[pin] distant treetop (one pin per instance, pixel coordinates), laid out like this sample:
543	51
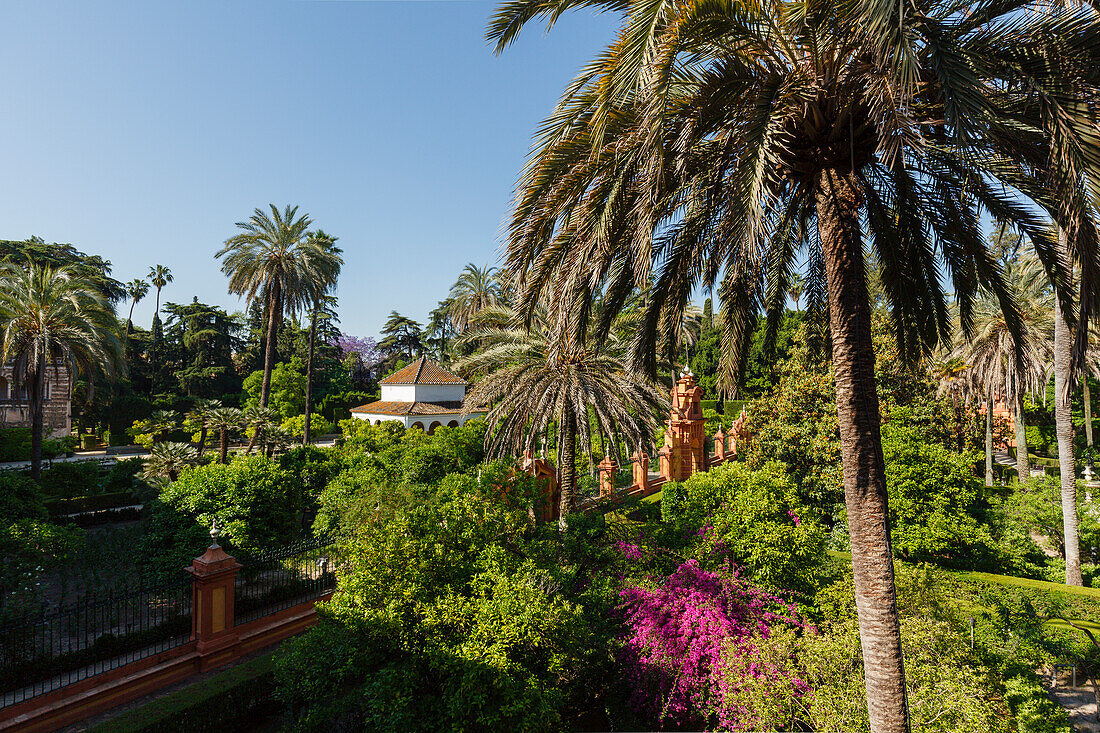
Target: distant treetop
92	267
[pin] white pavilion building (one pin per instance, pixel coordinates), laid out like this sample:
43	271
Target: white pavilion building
423	395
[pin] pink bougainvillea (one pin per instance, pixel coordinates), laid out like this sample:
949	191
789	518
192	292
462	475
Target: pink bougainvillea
680	637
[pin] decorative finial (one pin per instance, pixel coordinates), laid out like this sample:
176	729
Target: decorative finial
479	477
542	447
215	533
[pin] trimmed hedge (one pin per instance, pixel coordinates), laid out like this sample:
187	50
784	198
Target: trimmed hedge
82	504
238	699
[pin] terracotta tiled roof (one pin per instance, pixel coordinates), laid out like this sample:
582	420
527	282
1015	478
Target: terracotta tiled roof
411	408
423	371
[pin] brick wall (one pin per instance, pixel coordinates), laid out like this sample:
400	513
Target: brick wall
57	411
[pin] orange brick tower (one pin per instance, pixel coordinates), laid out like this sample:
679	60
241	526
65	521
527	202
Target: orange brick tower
684	451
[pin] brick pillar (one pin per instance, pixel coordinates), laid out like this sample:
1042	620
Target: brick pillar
212	621
641	470
607	467
664	462
546	476
719	446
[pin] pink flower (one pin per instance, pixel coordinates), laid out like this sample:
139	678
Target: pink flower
794	516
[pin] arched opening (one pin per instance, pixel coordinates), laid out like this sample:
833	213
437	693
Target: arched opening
377	422
433	426
4	389
453	424
419	425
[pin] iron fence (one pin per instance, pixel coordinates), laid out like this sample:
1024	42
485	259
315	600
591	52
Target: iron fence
42	652
278	580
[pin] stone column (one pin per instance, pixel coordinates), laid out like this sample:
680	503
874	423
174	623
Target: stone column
212	621
607	467
719	446
641	470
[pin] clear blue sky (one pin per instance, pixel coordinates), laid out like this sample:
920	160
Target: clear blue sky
142	131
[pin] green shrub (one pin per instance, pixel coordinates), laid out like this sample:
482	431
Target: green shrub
256	504
672	500
15	444
757	519
318	425
72	478
254	500
20	497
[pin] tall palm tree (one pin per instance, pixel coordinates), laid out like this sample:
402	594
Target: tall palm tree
225	421
52	319
325	282
532	378
274	259
159	276
137	290
476	289
1012	364
713	142
795	288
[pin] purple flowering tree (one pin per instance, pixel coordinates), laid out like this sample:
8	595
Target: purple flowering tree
692	637
365	348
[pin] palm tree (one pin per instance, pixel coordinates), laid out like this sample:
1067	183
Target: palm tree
440	329
999	362
50	320
166	460
163	422
199	417
325	282
795	286
224	420
533	378
159	276
259	419
713	142
476	289
275	260
136	289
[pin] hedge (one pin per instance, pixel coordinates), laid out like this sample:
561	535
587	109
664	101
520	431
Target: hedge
238	699
82	504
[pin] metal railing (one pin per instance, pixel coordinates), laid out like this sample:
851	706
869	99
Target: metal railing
278	580
42	652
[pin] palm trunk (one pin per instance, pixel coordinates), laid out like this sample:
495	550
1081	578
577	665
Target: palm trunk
1063	423
1023	470
34	399
989	439
274	310
865	497
309	372
156	365
252	440
202	440
1088	411
130	319
567	471
224	446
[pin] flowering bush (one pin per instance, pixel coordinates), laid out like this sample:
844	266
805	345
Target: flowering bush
685	637
755	519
